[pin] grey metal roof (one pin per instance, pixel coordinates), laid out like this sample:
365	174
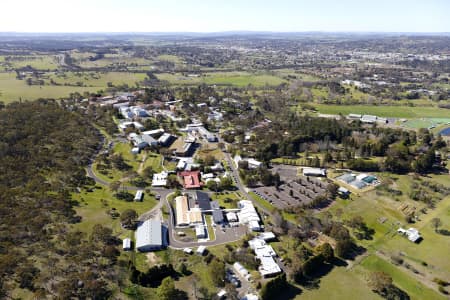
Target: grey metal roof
202	199
217	216
215	205
149	233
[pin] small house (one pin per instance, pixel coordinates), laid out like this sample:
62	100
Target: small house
139	195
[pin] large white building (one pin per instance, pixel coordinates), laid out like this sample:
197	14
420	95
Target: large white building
149	236
248	215
160	179
265	254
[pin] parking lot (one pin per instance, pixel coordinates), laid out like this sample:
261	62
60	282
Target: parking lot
299	192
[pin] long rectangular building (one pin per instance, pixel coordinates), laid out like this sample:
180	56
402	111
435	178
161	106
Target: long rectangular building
182	207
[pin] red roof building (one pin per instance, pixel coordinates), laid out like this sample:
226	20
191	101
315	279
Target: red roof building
191	179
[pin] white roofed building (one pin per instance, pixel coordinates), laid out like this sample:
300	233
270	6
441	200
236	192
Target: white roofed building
149	236
160	179
248	215
126	244
314	172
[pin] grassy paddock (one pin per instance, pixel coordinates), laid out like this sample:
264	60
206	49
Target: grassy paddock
414	288
385	111
340	283
95	211
223	78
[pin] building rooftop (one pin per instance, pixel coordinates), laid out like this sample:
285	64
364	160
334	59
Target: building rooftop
217	215
195	216
149	233
191	179
202	200
181	206
160	179
268	266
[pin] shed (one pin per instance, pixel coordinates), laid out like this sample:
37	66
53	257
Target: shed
139	195
126	244
201	250
149	236
187	250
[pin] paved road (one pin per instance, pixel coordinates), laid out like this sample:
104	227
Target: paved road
240	185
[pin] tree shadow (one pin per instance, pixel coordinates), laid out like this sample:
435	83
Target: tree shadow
444	232
290	292
339	262
356	251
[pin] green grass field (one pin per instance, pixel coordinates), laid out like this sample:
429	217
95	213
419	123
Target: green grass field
40	62
434	246
385	111
340	284
226	195
98	79
263	203
94	211
413	287
373	207
223	78
12	89
171	58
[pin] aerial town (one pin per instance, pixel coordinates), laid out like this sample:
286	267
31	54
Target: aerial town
194	163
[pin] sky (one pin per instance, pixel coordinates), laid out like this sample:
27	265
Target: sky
224	15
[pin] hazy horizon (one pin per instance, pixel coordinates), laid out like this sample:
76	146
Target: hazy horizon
202	16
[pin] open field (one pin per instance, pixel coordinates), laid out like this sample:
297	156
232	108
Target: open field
385	111
94	206
12	89
340	283
97	79
434	246
226	199
426	122
171	58
37	61
382	213
412	287
240	79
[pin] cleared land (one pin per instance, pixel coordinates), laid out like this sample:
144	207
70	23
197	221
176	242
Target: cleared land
94	209
12	89
240	79
385	111
412	287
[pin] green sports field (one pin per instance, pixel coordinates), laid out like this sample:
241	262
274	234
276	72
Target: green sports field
385	111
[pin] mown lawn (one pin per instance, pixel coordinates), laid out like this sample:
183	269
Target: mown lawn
263	203
221	198
384	111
